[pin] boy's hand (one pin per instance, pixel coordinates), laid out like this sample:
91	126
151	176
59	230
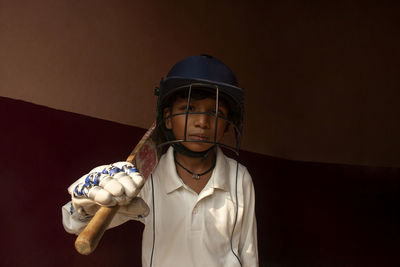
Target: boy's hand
107	185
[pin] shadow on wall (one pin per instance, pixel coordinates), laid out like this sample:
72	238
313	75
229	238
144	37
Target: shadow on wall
309	214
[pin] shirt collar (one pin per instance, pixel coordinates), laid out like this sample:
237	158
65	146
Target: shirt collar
219	178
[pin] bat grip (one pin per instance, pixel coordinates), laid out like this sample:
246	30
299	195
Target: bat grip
89	238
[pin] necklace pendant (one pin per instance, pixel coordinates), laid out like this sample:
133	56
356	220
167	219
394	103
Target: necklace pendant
195	176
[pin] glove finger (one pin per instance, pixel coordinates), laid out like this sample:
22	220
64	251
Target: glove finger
130	188
137	179
111	185
101	196
131	170
130	178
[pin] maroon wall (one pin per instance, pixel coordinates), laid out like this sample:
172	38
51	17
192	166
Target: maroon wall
309	214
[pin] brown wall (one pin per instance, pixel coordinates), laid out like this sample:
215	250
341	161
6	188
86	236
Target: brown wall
321	79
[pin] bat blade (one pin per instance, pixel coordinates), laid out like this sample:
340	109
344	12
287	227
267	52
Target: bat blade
145	157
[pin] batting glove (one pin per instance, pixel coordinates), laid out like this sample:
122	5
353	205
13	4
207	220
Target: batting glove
107	185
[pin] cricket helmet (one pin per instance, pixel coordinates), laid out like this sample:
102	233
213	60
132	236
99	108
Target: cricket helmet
210	74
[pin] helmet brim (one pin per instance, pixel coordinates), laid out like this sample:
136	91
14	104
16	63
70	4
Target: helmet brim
175	83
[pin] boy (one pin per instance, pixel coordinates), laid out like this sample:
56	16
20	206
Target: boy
198	204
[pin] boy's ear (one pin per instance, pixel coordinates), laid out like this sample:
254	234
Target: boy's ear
167	114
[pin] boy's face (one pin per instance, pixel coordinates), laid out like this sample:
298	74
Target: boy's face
200	127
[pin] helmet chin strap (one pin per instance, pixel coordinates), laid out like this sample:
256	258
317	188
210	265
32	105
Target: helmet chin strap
180	148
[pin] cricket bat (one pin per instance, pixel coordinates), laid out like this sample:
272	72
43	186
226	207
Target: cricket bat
145	157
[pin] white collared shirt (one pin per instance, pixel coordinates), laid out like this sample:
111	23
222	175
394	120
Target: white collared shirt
196	229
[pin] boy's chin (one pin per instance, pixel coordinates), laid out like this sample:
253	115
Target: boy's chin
197	147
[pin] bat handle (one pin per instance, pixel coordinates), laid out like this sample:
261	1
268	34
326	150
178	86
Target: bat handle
89	238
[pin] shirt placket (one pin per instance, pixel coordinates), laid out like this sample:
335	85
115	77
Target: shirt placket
197	210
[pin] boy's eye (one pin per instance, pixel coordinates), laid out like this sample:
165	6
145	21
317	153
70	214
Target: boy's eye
220	113
190	108
183	108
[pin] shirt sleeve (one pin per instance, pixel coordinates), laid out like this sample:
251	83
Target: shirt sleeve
248	250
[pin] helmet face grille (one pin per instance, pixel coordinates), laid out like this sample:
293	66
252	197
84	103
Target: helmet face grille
197	92
197	74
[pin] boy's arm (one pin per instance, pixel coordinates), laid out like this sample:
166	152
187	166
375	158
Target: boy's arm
248	249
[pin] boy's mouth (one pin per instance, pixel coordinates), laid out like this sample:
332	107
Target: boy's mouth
198	137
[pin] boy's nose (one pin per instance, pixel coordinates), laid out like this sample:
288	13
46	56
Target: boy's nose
202	121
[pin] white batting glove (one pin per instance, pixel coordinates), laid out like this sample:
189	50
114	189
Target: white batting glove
107	185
